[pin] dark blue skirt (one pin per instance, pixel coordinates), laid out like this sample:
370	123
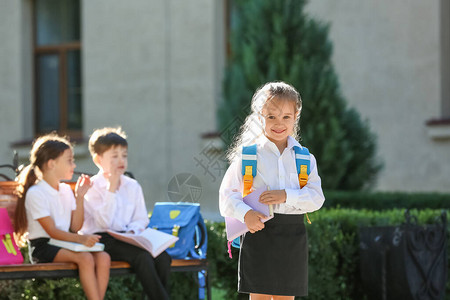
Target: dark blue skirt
274	261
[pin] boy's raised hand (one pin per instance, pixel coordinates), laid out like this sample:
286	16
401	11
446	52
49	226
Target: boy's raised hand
83	185
113	177
253	220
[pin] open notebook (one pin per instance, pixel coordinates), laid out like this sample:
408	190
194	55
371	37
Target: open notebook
152	240
77	247
236	228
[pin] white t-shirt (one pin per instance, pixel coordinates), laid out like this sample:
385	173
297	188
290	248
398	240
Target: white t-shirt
42	200
123	210
279	172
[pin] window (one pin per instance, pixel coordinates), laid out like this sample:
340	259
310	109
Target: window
445	59
228	5
439	128
57	63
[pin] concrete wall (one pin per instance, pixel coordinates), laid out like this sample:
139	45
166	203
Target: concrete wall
15	77
155	68
154	74
152	67
386	54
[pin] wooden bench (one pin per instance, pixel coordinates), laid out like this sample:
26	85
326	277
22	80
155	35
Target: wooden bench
61	270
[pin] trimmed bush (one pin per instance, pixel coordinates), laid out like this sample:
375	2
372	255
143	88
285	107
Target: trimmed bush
333	262
386	200
333	251
119	287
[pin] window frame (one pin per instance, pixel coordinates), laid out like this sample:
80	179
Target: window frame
61	51
445	59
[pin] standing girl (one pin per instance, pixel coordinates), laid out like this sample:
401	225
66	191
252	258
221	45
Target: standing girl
48	209
273	260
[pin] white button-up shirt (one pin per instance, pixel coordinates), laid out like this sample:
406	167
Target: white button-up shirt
123	210
278	172
41	201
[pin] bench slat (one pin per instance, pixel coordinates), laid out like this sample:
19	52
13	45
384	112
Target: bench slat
56	270
54	266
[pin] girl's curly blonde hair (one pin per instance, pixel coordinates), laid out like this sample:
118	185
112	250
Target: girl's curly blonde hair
253	125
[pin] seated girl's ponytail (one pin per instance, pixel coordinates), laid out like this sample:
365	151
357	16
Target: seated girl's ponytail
25	180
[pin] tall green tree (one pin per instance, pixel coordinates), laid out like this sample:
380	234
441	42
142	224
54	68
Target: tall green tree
277	41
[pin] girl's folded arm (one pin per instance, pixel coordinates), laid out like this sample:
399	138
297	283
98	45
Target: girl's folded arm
310	198
49	226
230	193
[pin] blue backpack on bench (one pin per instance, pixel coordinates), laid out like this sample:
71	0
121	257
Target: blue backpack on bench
184	221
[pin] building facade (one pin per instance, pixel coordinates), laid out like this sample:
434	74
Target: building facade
155	68
152	67
392	60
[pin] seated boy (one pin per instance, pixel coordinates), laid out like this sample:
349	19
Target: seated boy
116	202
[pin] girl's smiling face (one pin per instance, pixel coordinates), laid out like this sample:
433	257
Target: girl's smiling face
279	120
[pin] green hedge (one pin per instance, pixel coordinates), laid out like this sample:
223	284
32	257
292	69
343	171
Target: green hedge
386	200
333	251
123	287
333	262
119	287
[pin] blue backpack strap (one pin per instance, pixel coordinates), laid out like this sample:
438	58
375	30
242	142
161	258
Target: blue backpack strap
302	157
249	164
249	159
201	275
249	171
303	163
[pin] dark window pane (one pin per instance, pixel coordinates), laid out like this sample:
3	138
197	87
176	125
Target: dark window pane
57	21
74	90
48	92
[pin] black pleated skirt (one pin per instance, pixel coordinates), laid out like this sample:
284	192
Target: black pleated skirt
274	261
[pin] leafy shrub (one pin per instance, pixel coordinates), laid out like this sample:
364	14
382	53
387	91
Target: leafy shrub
333	262
333	251
386	200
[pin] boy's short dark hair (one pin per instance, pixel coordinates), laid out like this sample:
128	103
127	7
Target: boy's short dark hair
104	139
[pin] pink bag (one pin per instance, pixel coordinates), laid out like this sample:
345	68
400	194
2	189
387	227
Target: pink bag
9	252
